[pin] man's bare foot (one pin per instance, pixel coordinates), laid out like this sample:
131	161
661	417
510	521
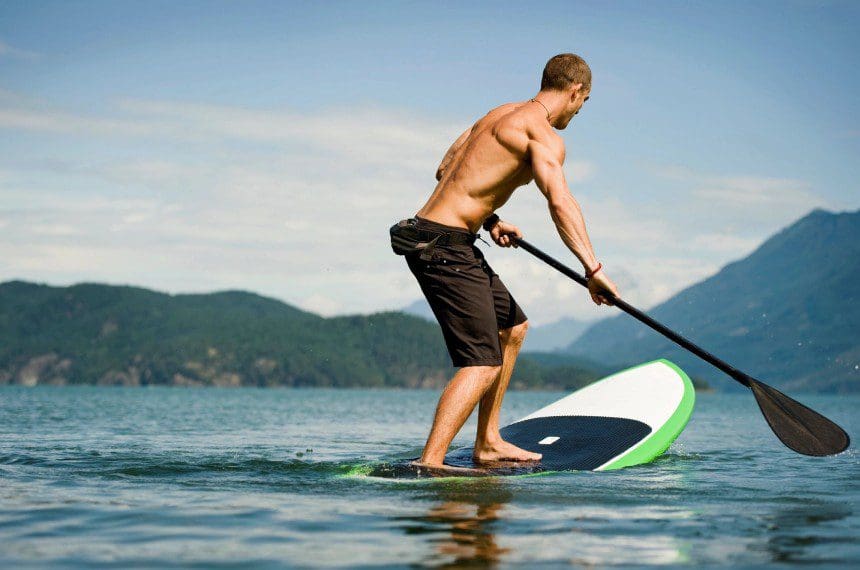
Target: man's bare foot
504	451
442	469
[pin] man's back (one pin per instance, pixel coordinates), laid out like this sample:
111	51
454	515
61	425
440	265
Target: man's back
487	163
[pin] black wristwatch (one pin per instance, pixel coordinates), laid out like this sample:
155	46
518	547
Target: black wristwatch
490	222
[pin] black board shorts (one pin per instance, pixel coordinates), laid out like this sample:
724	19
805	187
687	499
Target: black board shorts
467	297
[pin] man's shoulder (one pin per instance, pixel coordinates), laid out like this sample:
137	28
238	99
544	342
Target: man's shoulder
505	115
505	108
515	124
540	131
517	116
529	118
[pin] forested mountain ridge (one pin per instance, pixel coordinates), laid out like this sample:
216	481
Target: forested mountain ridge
119	335
789	313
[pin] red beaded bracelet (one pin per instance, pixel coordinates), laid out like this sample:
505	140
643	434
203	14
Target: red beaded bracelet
589	273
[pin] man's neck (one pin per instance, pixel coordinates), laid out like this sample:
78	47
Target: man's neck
555	102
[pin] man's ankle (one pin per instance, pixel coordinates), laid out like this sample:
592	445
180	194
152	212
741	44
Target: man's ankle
488	441
431	460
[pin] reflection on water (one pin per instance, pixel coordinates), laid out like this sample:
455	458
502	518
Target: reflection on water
461	529
471	532
805	534
486	525
632	517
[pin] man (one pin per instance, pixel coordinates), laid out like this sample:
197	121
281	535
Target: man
482	325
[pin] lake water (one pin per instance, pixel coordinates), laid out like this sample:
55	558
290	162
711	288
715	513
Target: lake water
160	477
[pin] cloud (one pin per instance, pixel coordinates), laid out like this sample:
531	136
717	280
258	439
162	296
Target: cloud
579	171
362	134
51	121
724	242
367	136
199	197
757	199
322	305
750	191
16	53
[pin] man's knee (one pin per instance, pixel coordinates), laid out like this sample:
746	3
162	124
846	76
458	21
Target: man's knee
485	375
515	335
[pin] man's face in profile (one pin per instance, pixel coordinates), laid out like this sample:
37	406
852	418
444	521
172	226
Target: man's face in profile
578	98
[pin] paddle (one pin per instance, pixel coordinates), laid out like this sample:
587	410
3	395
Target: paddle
798	427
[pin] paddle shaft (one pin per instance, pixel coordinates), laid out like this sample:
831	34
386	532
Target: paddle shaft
639	315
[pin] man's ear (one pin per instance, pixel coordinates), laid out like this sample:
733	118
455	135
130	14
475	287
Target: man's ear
575	90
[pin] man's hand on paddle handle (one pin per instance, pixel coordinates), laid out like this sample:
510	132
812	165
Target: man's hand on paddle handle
598	285
502	232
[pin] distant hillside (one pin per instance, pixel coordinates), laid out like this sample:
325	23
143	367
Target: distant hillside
543	338
789	313
100	334
554	336
420	308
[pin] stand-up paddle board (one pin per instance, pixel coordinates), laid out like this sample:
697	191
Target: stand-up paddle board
625	419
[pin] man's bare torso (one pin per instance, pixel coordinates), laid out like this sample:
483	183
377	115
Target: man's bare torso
490	163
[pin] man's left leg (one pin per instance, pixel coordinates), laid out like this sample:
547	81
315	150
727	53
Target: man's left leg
489	445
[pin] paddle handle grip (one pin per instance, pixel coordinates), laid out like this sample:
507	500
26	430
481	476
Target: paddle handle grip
736	374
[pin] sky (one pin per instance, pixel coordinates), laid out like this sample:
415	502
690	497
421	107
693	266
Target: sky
268	146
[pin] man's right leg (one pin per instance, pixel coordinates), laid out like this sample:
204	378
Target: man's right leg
459	398
489	445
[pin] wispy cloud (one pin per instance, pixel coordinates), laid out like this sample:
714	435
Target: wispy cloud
288	204
746	191
744	199
16	53
724	242
738	190
365	135
59	122
580	171
196	197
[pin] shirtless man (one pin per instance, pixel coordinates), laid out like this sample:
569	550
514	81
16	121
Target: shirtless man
483	326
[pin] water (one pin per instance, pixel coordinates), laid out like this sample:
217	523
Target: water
123	477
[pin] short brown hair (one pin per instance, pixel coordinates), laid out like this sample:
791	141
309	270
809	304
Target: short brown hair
564	70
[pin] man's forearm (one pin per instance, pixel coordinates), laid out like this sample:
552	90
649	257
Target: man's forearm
570	224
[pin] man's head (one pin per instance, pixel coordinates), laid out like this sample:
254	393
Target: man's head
568	74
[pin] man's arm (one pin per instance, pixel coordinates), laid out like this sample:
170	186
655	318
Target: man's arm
451	152
563	207
567	215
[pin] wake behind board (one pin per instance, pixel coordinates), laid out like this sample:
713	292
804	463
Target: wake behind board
625	419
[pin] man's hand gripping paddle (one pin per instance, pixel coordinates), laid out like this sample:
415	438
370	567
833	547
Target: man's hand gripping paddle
798	427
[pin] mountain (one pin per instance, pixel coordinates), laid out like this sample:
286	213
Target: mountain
554	336
419	308
788	314
543	338
118	335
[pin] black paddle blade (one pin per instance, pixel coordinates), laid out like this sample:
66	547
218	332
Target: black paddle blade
801	429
